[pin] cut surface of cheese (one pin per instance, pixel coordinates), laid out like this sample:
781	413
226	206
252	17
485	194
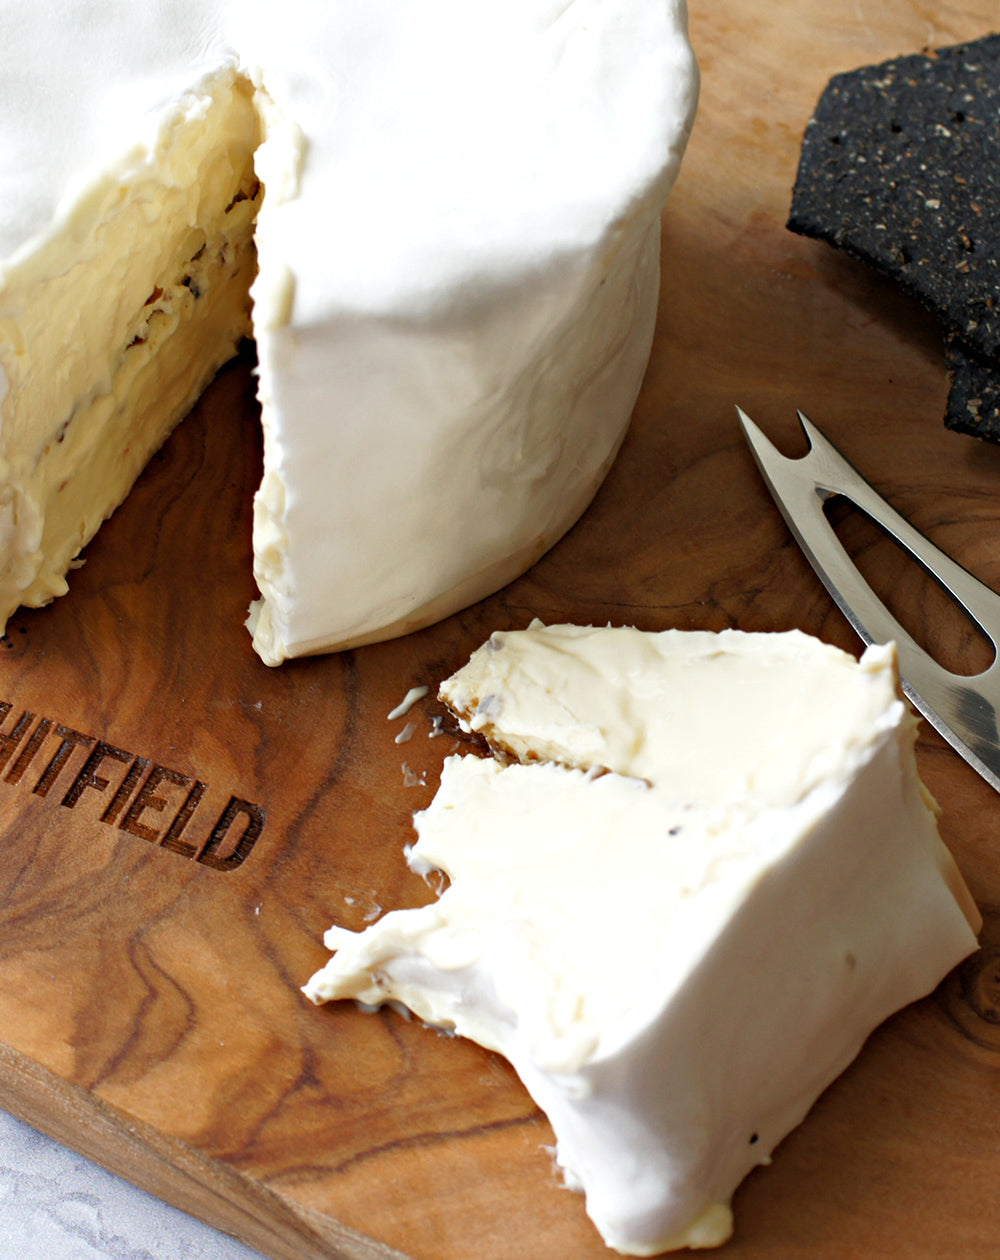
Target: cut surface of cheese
440	222
703	873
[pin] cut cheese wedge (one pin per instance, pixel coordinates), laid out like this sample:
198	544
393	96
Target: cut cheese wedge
703	872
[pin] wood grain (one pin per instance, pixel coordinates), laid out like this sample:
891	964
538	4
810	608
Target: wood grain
150	1012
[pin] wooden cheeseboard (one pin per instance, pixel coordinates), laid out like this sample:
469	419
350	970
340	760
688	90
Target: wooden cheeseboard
180	823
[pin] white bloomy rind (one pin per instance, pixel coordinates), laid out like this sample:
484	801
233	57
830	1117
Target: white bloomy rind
458	247
679	951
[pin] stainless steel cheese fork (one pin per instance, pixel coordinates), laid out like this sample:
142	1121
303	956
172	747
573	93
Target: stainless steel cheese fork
963	708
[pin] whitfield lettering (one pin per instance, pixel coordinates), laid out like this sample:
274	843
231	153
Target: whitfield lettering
132	793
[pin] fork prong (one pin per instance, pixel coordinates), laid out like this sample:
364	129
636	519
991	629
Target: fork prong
761	445
822	452
815	436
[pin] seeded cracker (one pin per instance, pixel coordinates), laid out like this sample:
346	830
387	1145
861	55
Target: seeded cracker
900	167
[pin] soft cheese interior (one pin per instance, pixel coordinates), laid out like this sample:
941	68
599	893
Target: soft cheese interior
111	328
700	872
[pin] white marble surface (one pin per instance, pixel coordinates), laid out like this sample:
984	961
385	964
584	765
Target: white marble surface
56	1205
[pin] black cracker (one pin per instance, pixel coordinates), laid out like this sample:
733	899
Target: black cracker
974	396
900	167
